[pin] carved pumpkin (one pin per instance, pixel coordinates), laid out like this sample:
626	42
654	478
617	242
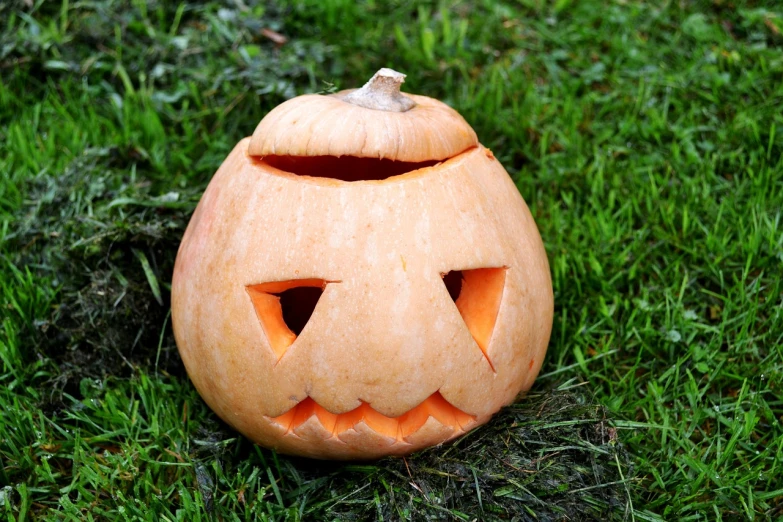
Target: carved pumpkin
361	278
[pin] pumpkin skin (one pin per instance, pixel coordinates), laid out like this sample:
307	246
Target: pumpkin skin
388	362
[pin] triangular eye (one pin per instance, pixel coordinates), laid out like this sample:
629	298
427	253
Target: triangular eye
284	308
477	294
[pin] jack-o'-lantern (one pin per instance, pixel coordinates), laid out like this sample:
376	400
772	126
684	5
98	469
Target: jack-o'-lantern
361	278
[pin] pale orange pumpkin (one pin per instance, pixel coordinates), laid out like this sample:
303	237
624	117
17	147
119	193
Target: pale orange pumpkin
361	278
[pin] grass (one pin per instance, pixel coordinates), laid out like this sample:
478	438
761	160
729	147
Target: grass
646	137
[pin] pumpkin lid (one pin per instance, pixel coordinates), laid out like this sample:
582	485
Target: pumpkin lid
376	121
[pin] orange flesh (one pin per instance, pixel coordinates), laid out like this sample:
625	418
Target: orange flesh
270	312
479	303
397	428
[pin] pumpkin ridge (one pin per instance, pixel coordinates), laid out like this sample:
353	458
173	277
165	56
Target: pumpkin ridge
285	109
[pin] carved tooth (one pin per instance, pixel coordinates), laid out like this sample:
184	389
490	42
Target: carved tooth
327	418
304	410
379	422
280	428
303	445
464	420
285	420
431	431
365	439
312	429
410	422
446	413
346	421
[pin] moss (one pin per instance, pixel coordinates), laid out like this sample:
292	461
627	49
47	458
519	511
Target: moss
89	229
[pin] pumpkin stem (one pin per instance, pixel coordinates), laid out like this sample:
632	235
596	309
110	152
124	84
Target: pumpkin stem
382	93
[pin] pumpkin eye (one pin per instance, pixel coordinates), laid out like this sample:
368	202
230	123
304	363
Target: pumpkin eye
284	308
477	294
344	168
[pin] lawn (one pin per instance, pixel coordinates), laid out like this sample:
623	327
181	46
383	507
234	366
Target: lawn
646	137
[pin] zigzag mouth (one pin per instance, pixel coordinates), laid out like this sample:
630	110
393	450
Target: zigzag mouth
398	428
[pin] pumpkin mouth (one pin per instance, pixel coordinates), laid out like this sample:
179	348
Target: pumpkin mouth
397	428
